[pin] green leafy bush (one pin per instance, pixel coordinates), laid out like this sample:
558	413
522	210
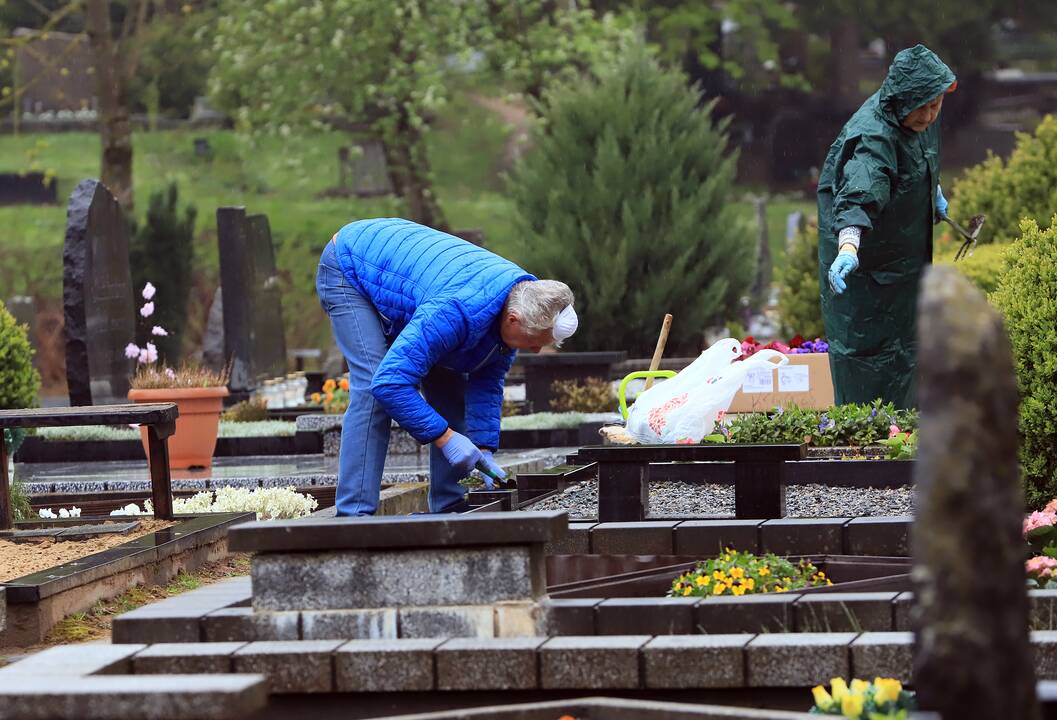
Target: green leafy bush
1023	187
628	197
19	380
582	396
799	304
1025	296
844	425
983	268
161	252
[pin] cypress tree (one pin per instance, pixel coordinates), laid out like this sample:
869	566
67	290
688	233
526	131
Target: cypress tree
627	195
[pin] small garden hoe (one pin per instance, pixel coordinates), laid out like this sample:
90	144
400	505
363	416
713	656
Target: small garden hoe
975	223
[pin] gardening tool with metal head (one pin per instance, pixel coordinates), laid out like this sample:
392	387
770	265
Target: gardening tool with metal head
969	236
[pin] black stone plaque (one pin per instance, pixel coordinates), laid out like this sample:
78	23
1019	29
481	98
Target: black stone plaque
253	321
97	297
31	188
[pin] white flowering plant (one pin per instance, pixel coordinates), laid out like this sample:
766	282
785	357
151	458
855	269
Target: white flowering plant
268	503
152	375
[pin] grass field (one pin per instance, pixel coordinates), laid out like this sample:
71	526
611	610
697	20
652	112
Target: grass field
281	178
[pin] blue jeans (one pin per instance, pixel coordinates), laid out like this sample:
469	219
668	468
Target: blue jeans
365	428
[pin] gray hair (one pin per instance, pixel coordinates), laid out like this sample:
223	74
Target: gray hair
538	302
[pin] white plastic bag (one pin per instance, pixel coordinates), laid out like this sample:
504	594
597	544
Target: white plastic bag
684	409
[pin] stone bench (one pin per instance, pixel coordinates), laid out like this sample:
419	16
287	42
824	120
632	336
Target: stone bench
158	418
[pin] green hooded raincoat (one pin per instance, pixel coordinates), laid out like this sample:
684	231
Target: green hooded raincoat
881	177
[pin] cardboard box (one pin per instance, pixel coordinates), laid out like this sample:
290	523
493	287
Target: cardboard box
805	382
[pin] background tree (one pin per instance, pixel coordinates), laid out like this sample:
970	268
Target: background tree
627	196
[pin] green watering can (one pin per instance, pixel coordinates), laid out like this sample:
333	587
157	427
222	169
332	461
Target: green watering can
635	376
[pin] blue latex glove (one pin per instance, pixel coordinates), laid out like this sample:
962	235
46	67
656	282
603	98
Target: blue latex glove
941	202
843	265
461	453
488	468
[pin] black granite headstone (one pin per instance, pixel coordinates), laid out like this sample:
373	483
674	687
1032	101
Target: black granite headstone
31	188
253	322
97	297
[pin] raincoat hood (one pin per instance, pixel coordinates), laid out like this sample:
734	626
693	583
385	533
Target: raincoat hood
916	76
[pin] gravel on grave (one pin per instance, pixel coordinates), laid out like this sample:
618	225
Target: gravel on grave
676	499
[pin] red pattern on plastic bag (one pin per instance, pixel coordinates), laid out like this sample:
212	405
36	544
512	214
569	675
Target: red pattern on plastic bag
658	416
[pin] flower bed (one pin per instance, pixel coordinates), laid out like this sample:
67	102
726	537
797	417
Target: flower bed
797	346
743	573
267	503
102	433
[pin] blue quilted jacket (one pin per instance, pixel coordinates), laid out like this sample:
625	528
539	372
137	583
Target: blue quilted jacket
440	299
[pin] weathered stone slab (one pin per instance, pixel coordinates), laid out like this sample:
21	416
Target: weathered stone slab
242	623
352	579
522	619
591	663
797	659
649	537
711	537
803	536
1043	609
883	654
500	664
304	666
845	612
467	621
348	624
576	542
185	658
385	665
645	616
422	531
74	660
178	619
973	657
573	616
695	661
766	612
133	697
888	536
1044	654
901	607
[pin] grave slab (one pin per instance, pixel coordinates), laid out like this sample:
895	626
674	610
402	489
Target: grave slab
385	665
887	536
651	537
470	621
645	616
185	658
695	661
573	616
591	663
803	536
709	538
378	624
797	659
765	612
303	666
242	623
845	612
500	664
883	654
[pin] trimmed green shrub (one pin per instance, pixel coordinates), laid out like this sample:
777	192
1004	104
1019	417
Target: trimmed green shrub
844	425
799	299
161	252
19	380
1025	295
983	268
1023	187
586	396
627	196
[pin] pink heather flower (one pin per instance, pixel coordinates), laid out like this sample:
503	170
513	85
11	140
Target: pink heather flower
1042	566
132	351
148	291
158	330
152	353
1039	519
1051	507
147	310
143	356
170	373
893	430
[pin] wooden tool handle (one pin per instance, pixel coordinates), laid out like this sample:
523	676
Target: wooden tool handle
662	340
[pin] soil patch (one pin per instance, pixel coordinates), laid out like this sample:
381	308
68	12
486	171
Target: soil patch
33	555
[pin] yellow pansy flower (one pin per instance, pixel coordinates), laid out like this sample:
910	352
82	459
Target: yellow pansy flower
687	591
779	588
749	583
700	580
737	573
851	706
765	570
719	574
886	690
738	590
822	697
718	589
729	582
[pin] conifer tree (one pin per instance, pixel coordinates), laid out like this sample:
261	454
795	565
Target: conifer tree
627	197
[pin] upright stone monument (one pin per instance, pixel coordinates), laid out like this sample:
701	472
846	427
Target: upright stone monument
253	320
972	655
97	297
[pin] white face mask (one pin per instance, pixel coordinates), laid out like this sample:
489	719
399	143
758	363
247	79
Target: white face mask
565	324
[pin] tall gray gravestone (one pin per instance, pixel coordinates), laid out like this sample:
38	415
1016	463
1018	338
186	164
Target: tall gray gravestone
97	297
972	653
253	320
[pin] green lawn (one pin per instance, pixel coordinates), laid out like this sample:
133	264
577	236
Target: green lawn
279	177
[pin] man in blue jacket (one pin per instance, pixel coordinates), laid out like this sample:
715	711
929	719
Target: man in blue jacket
414	307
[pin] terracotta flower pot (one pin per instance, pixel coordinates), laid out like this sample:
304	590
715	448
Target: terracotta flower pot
196	427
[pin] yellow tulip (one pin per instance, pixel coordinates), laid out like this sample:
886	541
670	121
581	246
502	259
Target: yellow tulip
822	698
859	686
839	688
886	690
851	706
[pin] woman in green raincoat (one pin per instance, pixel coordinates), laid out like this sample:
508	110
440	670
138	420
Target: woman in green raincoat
878	198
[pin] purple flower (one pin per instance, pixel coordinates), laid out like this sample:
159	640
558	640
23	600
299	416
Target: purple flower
779	411
821	346
826	424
